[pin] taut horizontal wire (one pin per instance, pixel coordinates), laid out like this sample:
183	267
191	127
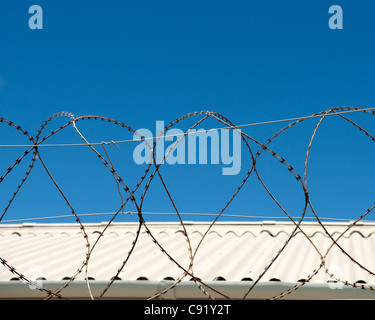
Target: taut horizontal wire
177	135
172	214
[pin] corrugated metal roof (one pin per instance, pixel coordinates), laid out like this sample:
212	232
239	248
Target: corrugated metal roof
231	251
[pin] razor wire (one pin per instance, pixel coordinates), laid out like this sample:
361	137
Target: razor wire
152	172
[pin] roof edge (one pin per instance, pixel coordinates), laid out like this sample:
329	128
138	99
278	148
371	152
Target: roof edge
184	290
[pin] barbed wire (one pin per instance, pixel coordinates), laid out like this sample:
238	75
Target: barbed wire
152	171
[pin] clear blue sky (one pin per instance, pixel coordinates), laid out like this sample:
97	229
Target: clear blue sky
143	61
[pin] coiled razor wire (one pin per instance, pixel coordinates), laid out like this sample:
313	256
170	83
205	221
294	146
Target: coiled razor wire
152	171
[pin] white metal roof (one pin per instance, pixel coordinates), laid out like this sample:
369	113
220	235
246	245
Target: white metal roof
233	252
